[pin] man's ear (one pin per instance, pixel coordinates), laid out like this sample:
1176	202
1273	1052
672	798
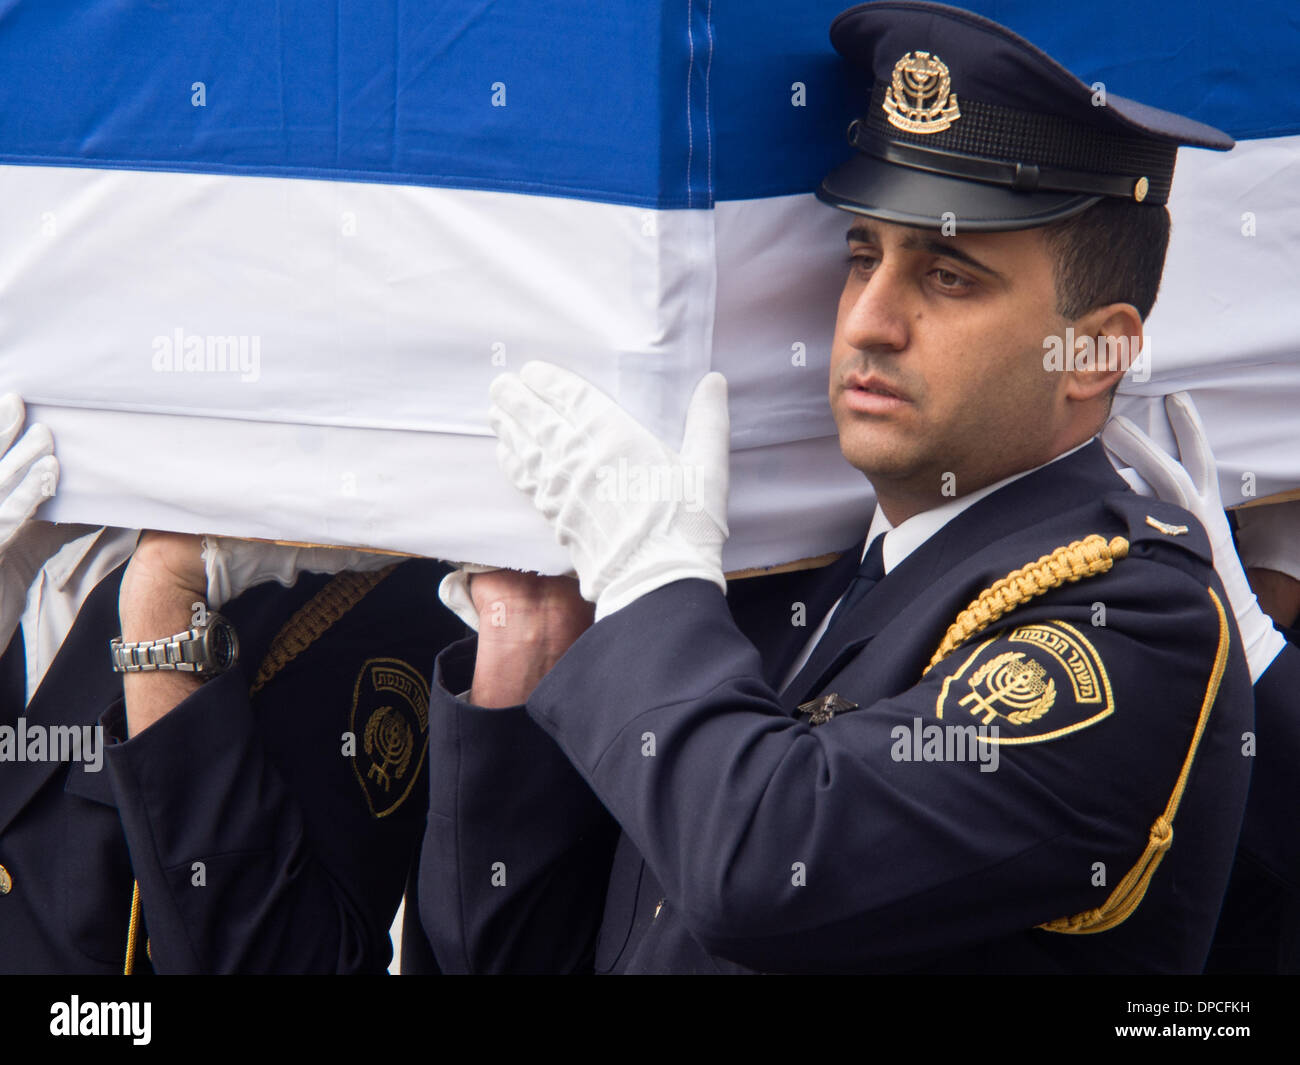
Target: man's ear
1108	341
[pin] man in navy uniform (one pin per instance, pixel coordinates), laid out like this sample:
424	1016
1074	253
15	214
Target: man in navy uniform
1014	743
259	814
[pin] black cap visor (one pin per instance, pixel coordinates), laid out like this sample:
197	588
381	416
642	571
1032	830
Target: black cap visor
913	197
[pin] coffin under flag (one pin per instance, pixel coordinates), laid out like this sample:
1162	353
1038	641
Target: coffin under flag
259	263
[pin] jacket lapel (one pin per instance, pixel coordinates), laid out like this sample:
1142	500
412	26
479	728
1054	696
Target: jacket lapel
860	624
764	608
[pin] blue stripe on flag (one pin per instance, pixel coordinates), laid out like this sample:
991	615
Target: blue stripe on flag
664	105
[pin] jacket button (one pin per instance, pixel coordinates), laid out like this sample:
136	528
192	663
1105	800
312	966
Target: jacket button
6	881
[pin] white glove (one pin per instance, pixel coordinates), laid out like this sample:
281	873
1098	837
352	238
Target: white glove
234	566
1196	488
1269	537
29	472
634	514
29	475
454	592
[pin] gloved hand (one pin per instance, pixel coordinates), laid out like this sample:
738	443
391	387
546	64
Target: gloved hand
1196	488
29	475
634	514
29	472
233	566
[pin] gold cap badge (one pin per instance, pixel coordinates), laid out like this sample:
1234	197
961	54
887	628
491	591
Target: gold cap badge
920	97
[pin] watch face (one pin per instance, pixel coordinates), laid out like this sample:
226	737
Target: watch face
223	645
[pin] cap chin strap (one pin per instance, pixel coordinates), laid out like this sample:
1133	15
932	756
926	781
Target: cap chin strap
1020	177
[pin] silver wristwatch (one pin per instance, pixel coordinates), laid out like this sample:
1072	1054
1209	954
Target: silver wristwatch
205	650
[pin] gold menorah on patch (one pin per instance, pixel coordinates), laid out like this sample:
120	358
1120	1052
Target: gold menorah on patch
389	742
1014	684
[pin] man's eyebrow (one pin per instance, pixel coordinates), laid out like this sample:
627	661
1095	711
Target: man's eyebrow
935	246
866	234
860	232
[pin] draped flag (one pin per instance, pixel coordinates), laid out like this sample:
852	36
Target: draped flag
259	262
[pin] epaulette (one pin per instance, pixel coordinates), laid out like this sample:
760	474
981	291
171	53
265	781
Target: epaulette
1154	521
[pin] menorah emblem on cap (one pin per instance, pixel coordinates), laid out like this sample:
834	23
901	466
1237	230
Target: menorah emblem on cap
920	97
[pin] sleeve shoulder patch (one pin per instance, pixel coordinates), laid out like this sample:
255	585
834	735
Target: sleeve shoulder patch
390	718
1029	685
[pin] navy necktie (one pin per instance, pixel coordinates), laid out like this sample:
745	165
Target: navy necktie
870	571
869	574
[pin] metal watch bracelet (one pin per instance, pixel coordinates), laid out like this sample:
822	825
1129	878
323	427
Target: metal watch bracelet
204	650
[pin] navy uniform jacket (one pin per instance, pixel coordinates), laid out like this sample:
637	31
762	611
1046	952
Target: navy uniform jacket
745	838
303	850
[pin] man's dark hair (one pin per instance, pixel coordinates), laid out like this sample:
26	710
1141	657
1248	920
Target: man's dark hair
1114	252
